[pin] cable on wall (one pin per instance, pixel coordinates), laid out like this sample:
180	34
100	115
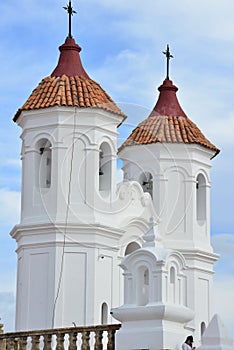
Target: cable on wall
66	220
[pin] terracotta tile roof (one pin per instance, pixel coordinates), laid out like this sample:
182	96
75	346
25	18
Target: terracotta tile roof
167	123
69	85
71	92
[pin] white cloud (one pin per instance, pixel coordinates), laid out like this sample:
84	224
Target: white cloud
224	245
10	206
7	310
223	300
153	18
14	162
131	78
224	279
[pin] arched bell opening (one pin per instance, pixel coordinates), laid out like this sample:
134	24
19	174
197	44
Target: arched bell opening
105	160
201	207
146	181
43	163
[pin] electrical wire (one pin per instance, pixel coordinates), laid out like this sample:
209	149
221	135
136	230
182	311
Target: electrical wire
66	221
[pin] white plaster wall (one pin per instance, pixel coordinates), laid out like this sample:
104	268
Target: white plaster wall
174	168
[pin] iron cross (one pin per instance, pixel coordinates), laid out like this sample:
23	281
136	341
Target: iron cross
168	56
70	12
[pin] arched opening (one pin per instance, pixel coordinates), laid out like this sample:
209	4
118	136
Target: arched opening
131	247
203	328
143	286
146	181
104	313
201	197
105	167
44	163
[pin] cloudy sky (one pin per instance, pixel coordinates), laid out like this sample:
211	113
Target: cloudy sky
122	45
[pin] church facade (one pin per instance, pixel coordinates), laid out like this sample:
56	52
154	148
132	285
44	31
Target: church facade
78	225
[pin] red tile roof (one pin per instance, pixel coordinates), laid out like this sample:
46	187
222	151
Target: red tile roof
168	123
71	92
69	85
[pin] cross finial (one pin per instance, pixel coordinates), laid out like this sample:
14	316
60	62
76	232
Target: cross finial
168	56
70	12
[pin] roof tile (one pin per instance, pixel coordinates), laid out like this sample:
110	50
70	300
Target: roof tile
167	123
69	91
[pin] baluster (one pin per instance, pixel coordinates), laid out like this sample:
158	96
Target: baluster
8	345
2	342
47	341
36	342
23	343
16	343
98	340
111	339
60	341
72	341
85	340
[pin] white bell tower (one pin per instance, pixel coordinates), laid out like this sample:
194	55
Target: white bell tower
65	243
171	158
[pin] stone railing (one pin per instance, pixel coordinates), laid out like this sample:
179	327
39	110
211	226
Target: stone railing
75	338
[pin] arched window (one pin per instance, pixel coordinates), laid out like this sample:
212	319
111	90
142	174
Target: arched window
203	328
143	286
201	197
44	162
104	313
104	167
146	181
131	247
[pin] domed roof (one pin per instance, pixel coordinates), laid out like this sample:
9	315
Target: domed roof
69	85
167	123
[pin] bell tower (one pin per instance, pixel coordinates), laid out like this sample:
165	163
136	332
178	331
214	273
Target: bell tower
171	158
65	245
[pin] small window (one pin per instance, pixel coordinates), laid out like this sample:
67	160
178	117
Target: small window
146	181
104	313
201	197
44	163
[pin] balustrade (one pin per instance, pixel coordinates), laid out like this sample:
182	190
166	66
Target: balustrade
75	338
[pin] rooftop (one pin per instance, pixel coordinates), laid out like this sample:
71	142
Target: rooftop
69	85
167	123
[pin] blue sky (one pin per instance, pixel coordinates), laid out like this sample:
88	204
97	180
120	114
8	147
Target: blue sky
122	45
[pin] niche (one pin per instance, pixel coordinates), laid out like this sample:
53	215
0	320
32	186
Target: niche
104	313
203	328
143	286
